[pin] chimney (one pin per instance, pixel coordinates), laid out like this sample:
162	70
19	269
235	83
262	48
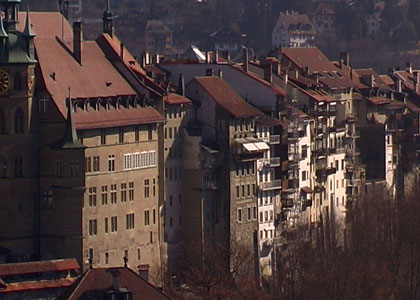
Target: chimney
399	85
208	57
77	41
372	81
286	78
147	58
268	72
220	74
216	57
181	84
245	59
143	60
276	67
65	9
416	79
345	57
409	67
122	51
115	280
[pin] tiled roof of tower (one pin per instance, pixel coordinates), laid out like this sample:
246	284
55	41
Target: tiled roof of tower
98	281
226	97
317	63
38	267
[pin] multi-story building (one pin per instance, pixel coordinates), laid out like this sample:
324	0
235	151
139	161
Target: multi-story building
86	141
227	124
323	19
293	29
158	37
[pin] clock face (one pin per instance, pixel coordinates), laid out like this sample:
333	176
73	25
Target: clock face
4	82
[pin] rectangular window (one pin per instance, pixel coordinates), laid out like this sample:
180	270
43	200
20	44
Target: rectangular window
131	191
154	187
239	214
121	135
114	224
113	193
104	194
106	258
106	225
254	212
74	168
88	165
93	227
103	137
96	164
154	216
238	192
150	132
128	159
261	217
248	187
249	213
59	168
146	188
146	218
111	163
137	134
92	196
243	190
123	192
129	220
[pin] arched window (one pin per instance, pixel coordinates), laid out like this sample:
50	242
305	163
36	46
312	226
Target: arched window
2	123
17	82
19	121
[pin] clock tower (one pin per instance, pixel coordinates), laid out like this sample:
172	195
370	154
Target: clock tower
18	135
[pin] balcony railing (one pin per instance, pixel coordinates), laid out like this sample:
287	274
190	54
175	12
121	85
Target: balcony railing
271	185
275	162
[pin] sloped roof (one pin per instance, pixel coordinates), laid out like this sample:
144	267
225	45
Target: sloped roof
316	62
38	267
362	75
226	97
106	118
324	8
296	23
38	285
175	99
100	280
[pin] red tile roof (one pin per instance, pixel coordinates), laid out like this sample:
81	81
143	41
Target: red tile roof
363	76
387	79
379	100
112	117
226	97
98	280
175	99
318	63
38	267
38	285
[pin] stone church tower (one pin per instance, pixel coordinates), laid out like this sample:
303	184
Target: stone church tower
18	138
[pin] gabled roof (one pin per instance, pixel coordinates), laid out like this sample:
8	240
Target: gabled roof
364	76
318	64
296	23
98	281
38	267
226	97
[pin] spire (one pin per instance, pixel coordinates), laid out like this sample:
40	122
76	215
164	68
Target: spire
108	20
70	139
28	26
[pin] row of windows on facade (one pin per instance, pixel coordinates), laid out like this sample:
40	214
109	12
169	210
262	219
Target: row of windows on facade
18	122
266	197
251	214
121	135
94	104
247	190
74	168
110	224
125	255
126	194
173	173
266	234
170	132
171	201
174	113
245	169
266	216
17	167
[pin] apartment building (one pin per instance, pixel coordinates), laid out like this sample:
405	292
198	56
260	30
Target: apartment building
269	188
227	123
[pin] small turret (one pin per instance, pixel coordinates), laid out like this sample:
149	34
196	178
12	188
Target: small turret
108	20
10	9
29	35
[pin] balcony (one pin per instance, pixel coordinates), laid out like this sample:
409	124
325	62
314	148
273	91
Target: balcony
275	139
271	162
271	185
331	171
